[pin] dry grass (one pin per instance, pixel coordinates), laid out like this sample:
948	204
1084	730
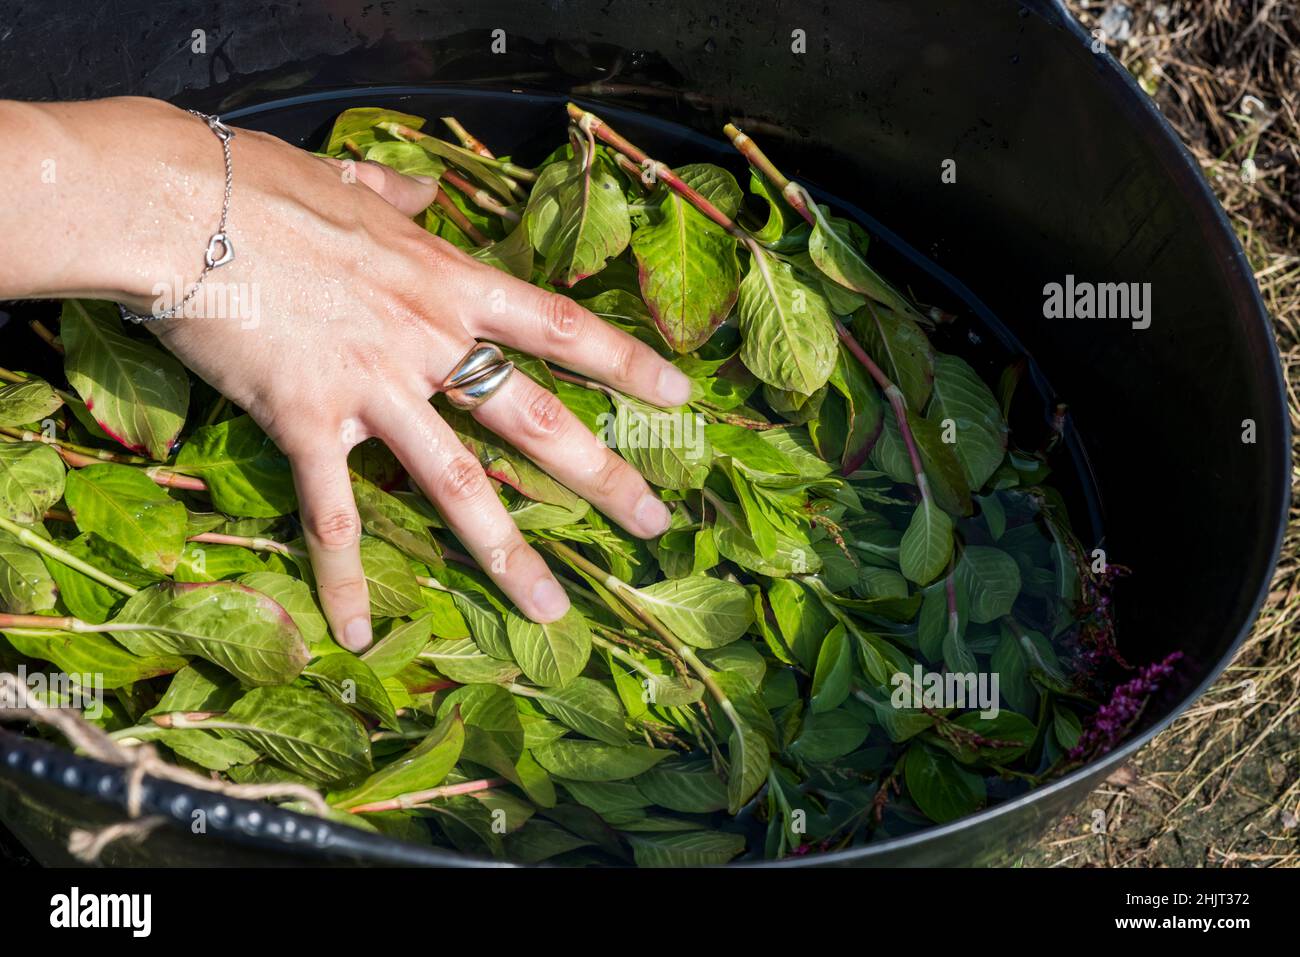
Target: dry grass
1221	787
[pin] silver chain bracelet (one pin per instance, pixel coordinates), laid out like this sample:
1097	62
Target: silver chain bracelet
220	249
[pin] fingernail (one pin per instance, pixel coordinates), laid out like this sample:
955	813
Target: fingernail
674	388
549	599
651	515
426	180
356	636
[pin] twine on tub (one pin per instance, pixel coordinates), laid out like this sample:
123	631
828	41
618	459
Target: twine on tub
139	761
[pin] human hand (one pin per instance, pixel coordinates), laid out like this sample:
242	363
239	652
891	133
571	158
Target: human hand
362	315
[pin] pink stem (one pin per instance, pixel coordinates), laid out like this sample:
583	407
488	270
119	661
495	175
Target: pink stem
420	797
896	400
592	124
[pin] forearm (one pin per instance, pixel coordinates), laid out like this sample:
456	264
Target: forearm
103	198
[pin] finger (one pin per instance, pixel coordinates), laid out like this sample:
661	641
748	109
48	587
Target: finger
455	483
537	423
554	327
332	529
409	194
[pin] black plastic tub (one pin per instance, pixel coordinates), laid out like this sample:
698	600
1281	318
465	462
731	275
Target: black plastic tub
1063	167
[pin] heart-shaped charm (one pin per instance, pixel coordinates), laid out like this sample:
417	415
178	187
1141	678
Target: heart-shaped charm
222	241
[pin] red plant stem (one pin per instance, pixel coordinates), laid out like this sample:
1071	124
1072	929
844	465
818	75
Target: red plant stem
478	196
896	400
593	124
632	170
58	515
255	544
175	480
413	798
794	193
467	139
456	216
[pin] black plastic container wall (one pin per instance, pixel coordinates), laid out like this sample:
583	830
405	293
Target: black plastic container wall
1064	167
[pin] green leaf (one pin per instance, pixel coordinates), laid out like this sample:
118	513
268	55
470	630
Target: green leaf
588	707
358	125
91	654
687	785
687	849
206	562
27	403
960	395
229	624
941	788
407	158
927	544
295	597
25	584
86	598
900	347
833	677
394	592
461	660
702	611
802	618
349	681
595	761
424	767
831	735
386	516
304	731
388	656
121	505
746	447
836	247
137	393
991	578
942	468
865	409
1066	726
748	763
687	265
787	332
31	481
245	472
591	224
668	447
513	255
553	653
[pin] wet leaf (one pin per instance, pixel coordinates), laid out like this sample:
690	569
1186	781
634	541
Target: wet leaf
120	505
31	481
137	393
788	336
27	403
229	624
553	653
245	472
304	731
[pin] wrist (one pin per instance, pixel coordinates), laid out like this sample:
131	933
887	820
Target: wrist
118	198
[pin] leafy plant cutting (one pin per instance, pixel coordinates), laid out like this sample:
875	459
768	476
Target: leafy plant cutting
870	613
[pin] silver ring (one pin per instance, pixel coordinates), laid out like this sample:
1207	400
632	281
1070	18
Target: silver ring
480	373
